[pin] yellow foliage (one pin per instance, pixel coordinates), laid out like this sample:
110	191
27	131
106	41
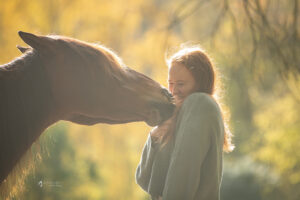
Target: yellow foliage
116	150
278	123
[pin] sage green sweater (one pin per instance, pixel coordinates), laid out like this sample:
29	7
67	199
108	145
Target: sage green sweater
190	165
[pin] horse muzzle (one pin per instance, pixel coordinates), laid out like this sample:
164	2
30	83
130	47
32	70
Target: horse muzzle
160	113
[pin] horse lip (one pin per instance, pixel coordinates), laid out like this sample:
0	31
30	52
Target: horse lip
165	109
154	118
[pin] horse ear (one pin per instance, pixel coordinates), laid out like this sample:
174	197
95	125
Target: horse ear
23	49
40	43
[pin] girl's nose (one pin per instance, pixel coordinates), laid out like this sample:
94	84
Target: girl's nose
175	90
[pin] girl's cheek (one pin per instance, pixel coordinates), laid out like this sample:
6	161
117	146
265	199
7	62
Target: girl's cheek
171	90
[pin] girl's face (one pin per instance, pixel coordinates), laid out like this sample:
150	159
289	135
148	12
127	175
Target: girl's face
181	82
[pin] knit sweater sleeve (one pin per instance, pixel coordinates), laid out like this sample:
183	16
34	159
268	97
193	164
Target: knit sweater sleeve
193	139
144	169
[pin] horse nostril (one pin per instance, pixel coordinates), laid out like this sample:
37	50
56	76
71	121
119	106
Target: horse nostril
167	94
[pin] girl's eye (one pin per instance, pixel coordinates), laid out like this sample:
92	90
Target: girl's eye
180	84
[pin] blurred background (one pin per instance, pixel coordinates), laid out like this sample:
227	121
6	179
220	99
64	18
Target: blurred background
255	47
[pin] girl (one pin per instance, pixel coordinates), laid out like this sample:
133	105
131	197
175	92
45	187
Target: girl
183	157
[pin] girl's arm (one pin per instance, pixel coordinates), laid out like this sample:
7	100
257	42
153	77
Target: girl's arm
197	119
143	171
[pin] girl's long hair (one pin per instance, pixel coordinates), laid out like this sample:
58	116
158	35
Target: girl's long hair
201	67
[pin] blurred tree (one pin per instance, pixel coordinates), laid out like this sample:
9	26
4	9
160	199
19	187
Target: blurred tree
257	44
272	25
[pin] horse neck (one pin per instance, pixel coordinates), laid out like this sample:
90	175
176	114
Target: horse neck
25	108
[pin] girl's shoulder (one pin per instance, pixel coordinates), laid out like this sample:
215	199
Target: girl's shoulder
200	101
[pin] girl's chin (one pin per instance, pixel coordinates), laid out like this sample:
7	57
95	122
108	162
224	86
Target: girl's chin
178	101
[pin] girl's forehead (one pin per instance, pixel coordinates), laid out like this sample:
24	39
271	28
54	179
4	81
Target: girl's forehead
178	71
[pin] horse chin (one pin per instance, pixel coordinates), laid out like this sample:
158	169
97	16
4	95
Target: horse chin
152	123
86	120
154	118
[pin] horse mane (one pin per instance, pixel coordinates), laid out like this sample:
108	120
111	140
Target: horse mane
20	97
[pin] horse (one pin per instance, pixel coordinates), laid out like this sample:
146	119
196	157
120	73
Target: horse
62	78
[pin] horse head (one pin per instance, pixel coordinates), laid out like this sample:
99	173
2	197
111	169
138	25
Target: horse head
90	84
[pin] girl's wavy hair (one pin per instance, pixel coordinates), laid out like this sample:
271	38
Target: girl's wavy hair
204	72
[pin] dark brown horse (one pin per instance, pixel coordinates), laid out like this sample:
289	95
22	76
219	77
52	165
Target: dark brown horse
60	78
